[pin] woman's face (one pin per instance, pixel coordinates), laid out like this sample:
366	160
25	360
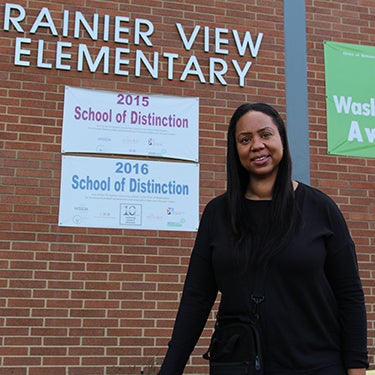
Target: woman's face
259	145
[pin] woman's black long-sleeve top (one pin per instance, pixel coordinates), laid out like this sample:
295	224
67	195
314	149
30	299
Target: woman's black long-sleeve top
313	315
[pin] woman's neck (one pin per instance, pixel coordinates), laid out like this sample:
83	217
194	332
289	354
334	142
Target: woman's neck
260	190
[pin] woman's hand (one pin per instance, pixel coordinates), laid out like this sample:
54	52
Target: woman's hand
356	371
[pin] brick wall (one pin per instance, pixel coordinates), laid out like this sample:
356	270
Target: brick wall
85	301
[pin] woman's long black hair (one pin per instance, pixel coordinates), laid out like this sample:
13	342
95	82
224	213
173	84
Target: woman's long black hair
282	215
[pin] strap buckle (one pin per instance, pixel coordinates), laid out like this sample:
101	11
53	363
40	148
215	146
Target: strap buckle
257	301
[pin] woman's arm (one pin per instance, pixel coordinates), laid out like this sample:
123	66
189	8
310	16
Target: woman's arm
343	274
198	297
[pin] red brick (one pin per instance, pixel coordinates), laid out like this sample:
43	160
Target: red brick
94	301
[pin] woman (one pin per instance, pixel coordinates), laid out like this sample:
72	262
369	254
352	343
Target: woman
290	236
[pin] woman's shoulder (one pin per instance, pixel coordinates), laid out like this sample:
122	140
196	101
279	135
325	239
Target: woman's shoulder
216	205
218	201
313	195
214	217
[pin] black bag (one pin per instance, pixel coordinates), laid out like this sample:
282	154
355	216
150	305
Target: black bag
229	368
235	347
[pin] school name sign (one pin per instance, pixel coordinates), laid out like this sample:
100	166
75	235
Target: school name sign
116	38
350	100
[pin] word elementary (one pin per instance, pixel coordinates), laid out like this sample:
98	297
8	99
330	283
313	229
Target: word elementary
115	32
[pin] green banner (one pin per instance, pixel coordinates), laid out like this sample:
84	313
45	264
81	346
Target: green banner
350	99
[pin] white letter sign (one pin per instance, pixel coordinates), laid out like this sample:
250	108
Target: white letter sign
130	124
132	194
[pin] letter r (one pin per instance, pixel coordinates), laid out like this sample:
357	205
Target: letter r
14	20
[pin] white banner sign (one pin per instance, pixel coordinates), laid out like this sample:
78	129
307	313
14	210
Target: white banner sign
130	124
133	194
